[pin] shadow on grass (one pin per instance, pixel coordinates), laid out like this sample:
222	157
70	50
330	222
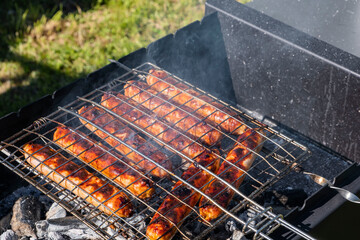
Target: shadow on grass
45	81
16	17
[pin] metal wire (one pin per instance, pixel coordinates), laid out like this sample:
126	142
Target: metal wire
266	170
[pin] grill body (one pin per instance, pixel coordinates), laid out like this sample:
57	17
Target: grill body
298	80
265	67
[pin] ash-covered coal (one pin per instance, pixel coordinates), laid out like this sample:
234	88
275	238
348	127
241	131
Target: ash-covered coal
26	220
8	202
26	211
34	217
55	211
287	198
67	227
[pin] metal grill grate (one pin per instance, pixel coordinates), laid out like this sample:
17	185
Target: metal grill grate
278	154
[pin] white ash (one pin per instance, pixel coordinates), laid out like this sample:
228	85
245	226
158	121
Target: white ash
137	221
8	235
248	215
55	211
112	233
237	235
70	227
230	225
55	236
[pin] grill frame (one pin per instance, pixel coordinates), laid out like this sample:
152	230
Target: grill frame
177	53
82	101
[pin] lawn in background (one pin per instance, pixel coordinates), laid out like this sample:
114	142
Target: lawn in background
47	44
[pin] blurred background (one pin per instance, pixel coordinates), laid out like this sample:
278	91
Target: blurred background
46	44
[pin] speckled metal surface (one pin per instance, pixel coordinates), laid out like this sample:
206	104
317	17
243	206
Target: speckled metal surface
291	77
335	22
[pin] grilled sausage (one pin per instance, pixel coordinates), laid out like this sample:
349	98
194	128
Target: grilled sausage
99	117
175	211
79	181
86	150
201	104
125	107
241	156
141	93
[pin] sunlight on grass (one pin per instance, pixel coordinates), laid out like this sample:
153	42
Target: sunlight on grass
57	50
80	43
10	70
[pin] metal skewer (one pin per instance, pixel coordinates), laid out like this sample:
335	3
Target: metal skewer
318	179
343	192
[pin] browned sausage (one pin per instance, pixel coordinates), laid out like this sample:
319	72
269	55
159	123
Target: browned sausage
241	156
86	150
99	117
202	105
151	124
141	93
174	210
79	181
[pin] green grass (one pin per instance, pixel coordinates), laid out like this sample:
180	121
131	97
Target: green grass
47	45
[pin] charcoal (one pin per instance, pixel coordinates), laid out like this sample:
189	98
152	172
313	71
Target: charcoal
8	235
137	221
55	211
237	235
112	233
7	203
26	211
5	223
288	198
46	201
55	236
41	228
66	227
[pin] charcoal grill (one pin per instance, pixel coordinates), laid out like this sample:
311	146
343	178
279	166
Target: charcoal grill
221	51
265	172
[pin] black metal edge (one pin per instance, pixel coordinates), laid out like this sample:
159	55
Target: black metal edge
304	138
286	33
321	204
15	121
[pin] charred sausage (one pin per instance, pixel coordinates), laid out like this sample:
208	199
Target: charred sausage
99	117
201	104
84	148
141	93
175	211
241	156
79	181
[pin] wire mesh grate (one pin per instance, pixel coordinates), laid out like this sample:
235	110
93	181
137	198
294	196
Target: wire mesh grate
141	143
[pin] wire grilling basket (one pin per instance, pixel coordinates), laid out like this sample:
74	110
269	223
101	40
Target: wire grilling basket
82	143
